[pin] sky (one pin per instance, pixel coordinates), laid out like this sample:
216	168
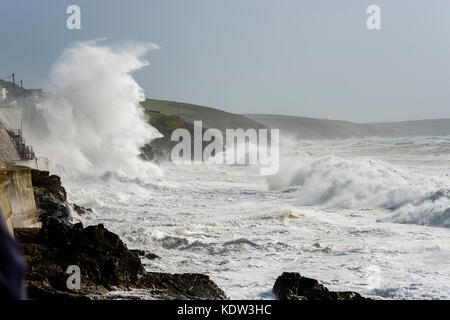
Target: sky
312	58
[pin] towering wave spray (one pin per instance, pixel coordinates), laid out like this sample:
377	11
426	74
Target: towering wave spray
91	122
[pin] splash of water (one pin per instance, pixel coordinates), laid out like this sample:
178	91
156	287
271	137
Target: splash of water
91	121
333	182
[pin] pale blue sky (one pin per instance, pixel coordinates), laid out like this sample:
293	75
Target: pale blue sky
311	58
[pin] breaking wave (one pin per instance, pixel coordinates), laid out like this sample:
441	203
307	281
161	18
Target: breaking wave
336	183
91	121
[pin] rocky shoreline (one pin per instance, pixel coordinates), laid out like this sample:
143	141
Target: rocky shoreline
107	267
105	263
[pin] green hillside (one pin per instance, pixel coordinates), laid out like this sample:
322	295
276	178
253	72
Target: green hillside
310	128
212	118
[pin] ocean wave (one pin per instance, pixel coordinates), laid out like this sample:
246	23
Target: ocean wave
241	241
91	121
336	183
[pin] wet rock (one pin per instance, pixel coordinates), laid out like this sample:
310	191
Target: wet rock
184	286
53	209
80	210
160	149
103	258
292	286
148	255
42	290
50	197
49	185
105	263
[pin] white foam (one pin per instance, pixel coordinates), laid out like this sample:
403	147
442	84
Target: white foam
335	182
91	121
244	236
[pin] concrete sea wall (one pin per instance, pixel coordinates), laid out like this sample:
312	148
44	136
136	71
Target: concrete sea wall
5	202
17	201
21	195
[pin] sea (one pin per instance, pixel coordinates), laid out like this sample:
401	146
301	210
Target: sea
367	215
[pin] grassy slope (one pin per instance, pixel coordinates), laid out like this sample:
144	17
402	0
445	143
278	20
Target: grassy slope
310	128
172	115
212	118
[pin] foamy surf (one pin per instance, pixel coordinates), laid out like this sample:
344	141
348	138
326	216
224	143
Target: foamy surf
331	182
227	223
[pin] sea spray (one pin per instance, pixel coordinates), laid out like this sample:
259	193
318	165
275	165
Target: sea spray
91	121
336	183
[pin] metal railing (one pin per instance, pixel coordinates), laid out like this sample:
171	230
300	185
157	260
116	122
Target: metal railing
25	152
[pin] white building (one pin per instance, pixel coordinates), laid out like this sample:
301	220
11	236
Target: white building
3	93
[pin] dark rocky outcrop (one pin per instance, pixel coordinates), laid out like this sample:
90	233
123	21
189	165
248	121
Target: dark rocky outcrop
80	210
47	185
292	286
160	149
143	253
51	198
104	260
184	286
105	263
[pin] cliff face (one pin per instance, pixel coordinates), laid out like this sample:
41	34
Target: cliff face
160	149
167	116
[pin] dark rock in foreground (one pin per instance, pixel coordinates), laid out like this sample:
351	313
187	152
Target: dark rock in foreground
292	286
105	264
184	286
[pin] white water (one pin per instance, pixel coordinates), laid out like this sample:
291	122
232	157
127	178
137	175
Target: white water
227	222
90	122
365	215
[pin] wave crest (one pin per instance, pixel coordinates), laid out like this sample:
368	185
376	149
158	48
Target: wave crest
334	182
